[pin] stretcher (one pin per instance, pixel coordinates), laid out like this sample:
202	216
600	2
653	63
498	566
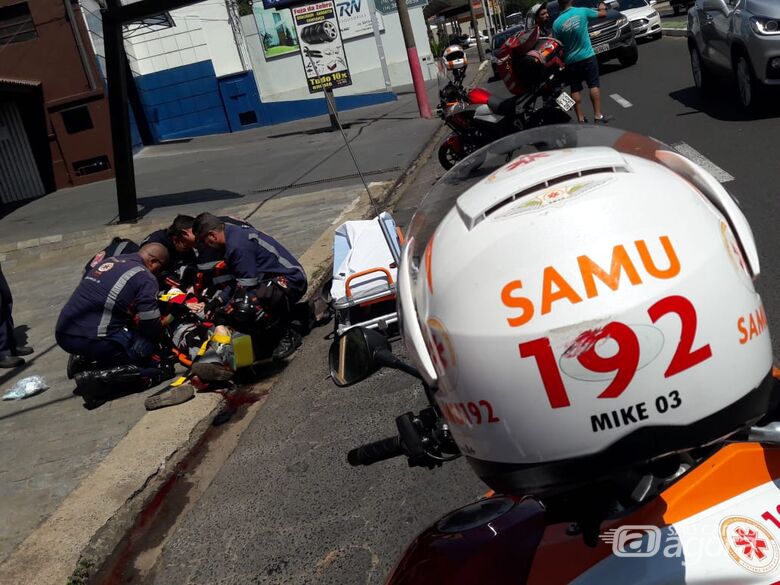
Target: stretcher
364	274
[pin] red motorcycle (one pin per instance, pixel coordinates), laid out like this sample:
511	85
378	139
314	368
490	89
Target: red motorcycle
532	68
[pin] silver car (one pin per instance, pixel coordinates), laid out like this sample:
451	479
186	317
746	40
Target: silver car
736	37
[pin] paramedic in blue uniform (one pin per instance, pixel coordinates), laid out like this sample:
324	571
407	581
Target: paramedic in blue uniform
182	236
263	269
10	352
115	248
182	256
113	319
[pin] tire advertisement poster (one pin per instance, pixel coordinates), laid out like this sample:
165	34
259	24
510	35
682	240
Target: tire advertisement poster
322	50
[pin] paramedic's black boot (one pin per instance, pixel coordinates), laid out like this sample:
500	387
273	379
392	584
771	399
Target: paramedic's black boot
101	384
76	364
10	361
290	341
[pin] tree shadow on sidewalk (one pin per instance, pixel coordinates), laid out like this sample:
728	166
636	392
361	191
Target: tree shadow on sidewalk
315	131
9	208
20	334
147	204
29	363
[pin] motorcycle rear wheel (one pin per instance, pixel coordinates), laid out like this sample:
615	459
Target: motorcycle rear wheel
449	156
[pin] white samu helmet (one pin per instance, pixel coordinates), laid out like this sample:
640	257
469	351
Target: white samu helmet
454	58
583	300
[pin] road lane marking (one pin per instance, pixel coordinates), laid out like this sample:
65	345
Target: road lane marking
690	152
621	100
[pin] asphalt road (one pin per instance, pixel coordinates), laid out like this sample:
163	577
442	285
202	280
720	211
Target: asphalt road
286	508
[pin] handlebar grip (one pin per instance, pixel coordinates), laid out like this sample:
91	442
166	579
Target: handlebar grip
375	452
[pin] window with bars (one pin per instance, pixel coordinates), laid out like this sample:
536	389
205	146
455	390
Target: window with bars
16	24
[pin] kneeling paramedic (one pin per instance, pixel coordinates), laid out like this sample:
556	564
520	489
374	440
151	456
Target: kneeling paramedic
182	259
267	276
113	319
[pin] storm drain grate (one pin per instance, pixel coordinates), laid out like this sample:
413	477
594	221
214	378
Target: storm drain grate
327	180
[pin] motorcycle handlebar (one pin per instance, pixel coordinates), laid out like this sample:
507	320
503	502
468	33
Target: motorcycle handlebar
375	452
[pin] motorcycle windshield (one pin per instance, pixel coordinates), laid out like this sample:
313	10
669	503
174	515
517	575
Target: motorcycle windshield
482	163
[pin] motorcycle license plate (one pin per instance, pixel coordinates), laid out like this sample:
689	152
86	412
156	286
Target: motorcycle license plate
564	101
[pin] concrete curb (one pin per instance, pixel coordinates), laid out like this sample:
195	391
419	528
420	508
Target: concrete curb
674	32
47	554
81	242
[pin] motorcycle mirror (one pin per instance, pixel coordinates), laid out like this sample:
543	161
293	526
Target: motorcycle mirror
715	5
352	356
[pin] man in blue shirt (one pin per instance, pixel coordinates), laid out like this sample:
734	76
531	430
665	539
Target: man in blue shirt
267	276
571	28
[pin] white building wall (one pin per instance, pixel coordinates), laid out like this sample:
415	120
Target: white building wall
208	31
90	10
202	31
282	78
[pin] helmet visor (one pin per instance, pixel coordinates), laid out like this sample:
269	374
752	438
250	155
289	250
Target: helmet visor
487	160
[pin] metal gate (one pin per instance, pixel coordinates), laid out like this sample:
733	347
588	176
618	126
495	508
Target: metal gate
19	176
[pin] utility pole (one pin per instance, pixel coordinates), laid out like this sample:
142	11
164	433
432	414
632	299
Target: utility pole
480	49
414	60
488	20
116	62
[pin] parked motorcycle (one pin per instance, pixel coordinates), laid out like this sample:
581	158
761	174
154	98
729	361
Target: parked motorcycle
694	500
532	69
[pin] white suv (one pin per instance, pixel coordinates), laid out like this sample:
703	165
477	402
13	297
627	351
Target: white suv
737	37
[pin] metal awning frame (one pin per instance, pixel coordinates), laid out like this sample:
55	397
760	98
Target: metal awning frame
147	25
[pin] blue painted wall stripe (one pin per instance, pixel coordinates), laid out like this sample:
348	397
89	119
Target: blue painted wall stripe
183	102
278	112
190	101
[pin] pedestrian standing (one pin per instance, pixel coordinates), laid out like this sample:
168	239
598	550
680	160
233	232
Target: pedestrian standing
571	28
9	352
